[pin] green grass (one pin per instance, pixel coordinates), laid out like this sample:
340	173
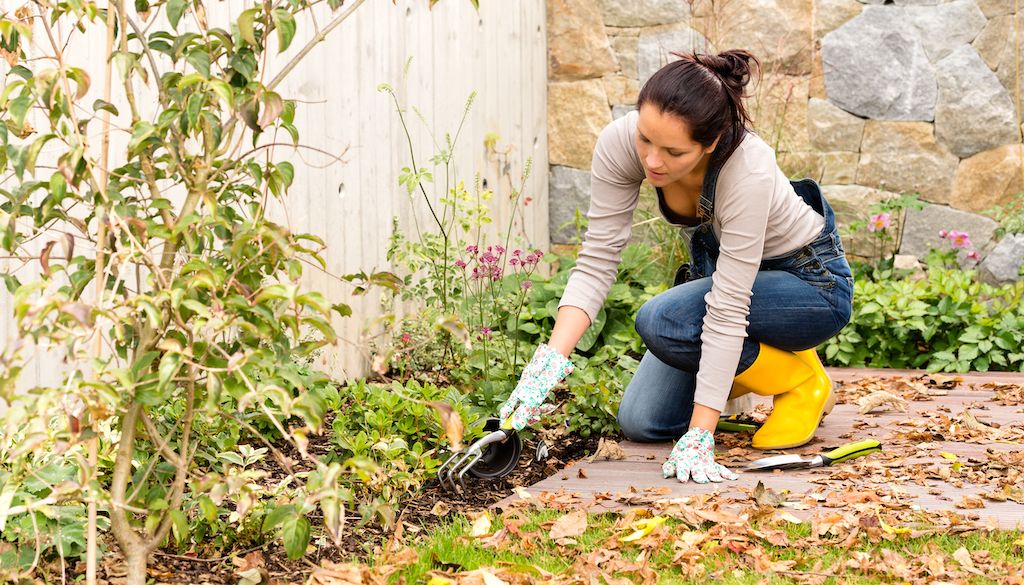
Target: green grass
449	548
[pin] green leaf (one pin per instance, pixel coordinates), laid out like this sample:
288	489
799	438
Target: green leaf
175	10
199	59
245	26
81	79
142	131
287	171
195	104
33	152
208	508
223	91
285	23
590	336
19	109
295	532
276	516
104	105
168	368
179	526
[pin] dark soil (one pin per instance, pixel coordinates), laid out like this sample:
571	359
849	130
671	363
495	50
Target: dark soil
361	541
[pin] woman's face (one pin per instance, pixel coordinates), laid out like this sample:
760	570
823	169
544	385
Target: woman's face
666	149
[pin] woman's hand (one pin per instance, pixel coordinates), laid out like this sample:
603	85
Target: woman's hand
693	457
546	369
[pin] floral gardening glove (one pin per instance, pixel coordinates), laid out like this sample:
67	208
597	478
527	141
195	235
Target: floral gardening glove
546	369
694	458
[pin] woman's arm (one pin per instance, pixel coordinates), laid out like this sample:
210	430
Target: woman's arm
704	417
570	325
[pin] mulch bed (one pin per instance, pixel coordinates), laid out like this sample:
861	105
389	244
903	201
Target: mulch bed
428	509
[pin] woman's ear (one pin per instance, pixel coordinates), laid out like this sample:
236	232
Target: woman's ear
714	144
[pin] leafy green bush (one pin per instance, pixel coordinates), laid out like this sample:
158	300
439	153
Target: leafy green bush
393	432
946	321
1010	216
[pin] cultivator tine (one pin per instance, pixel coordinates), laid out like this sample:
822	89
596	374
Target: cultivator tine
445	466
462	461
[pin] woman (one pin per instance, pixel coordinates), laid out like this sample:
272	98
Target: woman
768	279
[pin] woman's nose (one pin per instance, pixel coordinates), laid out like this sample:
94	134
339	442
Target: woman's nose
653	162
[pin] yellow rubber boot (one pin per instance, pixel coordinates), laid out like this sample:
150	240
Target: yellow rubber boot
802	394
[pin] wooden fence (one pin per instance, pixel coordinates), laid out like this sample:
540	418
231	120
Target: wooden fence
498	52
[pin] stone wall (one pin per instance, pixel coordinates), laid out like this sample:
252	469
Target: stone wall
871	98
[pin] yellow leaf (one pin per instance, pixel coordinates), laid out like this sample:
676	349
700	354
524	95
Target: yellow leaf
948	455
643	527
890	529
438	580
481	526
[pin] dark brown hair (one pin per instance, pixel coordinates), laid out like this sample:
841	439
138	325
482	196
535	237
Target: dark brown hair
705	91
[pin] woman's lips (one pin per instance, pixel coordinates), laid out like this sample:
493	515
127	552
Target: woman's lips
655	175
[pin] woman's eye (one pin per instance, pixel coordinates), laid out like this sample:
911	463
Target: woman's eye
670	153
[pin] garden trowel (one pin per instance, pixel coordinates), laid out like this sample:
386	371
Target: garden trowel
845	453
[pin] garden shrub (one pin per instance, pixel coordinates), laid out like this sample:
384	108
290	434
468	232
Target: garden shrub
947	321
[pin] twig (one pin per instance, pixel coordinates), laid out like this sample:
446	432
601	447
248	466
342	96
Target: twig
214	560
316	40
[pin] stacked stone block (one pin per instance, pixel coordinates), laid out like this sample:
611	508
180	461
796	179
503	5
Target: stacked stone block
871	98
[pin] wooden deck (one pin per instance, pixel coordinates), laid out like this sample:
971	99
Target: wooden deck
910	472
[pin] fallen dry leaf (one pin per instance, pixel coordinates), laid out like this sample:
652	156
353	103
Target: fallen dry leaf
451	422
608	449
331	573
971	502
879	398
570	525
481	524
766	497
441	509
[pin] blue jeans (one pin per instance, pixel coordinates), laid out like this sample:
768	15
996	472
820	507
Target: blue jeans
799	300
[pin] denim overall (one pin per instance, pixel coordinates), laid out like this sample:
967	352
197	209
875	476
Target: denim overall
799	300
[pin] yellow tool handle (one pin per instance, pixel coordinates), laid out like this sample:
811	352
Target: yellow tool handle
851	451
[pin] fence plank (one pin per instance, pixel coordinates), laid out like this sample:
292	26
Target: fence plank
456	50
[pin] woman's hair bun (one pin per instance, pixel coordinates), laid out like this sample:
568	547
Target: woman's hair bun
736	67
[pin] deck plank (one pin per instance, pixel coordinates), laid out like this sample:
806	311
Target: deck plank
905	470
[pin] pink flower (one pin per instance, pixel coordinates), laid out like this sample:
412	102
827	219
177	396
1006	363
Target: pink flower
514	261
973	255
406	338
460	263
500	250
486	331
879	222
527	284
472	249
943	234
960	240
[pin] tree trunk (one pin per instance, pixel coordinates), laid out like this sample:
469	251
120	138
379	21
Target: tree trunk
135	560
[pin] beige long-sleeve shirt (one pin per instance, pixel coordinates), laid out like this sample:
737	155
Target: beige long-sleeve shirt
757	215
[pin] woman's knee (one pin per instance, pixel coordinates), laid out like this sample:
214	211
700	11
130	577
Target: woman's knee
645	320
668	330
635	427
